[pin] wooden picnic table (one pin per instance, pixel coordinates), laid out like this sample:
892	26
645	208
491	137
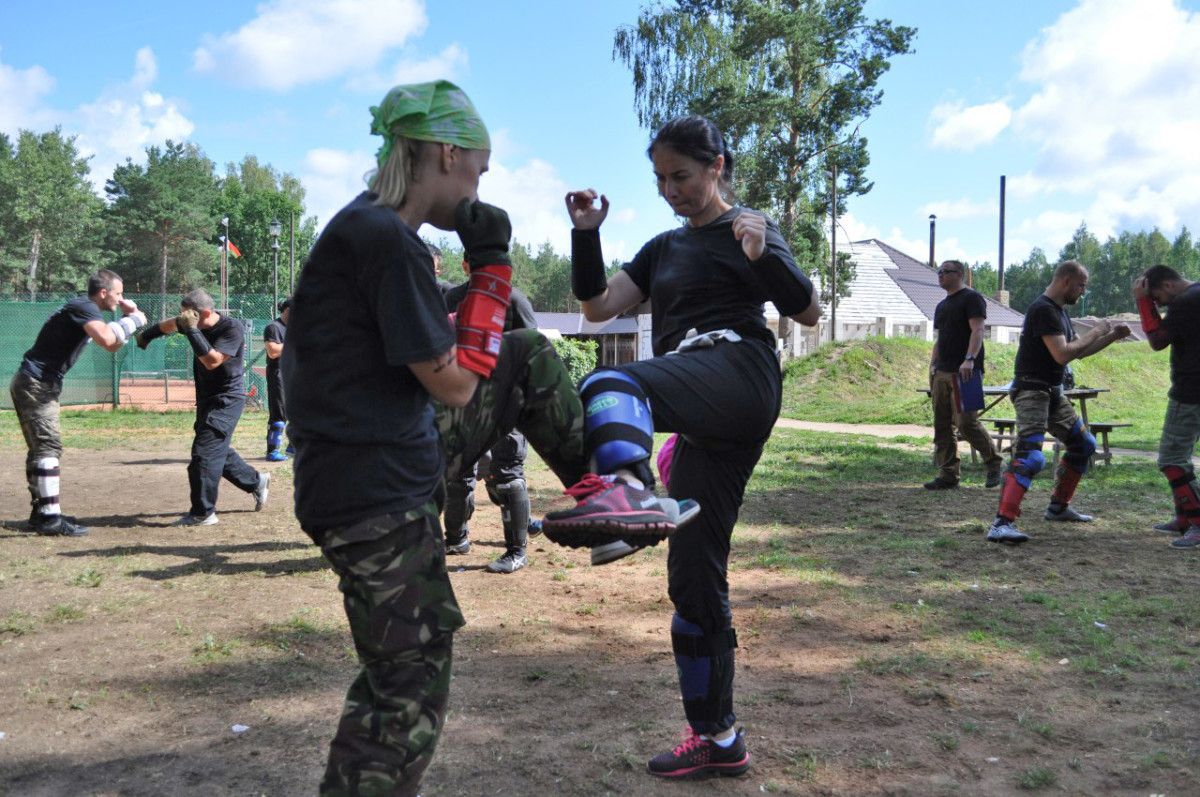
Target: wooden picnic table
1006	428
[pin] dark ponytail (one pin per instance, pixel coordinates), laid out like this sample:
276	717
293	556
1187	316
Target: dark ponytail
696	137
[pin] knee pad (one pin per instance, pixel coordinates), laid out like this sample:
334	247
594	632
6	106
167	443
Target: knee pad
705	666
1080	447
1028	459
46	472
460	506
513	500
618	428
275	435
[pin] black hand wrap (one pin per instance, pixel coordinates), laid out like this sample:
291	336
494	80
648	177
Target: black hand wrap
147	334
587	265
785	285
200	344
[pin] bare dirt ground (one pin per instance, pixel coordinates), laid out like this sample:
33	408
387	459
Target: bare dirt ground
127	656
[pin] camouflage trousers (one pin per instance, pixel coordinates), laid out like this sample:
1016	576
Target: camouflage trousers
531	391
398	597
403	615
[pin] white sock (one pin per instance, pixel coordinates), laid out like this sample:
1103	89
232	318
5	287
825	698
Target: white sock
726	742
630	479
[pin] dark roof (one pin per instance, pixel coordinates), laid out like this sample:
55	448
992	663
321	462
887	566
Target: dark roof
920	285
576	324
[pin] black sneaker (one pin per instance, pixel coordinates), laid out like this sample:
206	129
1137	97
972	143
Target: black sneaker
58	526
698	755
939	483
1191	539
458	546
1175	526
512	561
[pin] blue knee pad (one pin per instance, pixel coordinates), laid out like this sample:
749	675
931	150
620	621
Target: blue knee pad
275	436
694	671
1028	459
617	426
1080	447
705	667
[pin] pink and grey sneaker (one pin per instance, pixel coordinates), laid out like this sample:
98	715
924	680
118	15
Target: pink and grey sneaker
698	755
608	510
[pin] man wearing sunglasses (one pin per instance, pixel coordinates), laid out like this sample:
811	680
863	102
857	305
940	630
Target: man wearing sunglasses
957	354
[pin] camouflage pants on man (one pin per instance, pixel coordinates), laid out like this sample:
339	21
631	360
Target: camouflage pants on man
398	597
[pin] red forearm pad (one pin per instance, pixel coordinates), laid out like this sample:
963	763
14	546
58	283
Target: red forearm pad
481	318
1149	313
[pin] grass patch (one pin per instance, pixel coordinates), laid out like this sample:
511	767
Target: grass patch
88	577
65	613
1037	778
878	380
17	623
211	649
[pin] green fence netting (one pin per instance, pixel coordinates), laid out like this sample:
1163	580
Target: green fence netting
160	376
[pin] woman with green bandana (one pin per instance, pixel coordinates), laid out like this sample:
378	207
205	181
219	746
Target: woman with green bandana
369	346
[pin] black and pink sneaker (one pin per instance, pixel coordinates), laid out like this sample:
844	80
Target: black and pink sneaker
608	510
698	755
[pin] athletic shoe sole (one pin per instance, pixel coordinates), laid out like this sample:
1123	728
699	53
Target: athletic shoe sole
682	512
732	769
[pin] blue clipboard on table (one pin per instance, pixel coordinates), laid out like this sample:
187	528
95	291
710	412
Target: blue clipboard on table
968	395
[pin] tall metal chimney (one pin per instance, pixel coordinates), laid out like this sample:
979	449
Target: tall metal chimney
1000	267
932	224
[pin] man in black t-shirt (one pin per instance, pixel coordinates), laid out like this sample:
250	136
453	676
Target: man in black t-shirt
38	383
957	355
273	337
1163	286
219	344
503	467
1048	343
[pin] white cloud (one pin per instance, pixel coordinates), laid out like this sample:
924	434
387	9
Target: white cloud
21	92
1114	116
532	193
331	178
960	209
125	119
294	42
968	127
449	64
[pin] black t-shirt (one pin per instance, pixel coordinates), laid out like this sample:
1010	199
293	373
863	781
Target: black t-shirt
1183	326
60	341
1034	361
274	332
951	318
520	311
699	277
227	337
367	305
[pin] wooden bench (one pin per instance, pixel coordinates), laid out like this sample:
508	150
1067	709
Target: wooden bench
1006	432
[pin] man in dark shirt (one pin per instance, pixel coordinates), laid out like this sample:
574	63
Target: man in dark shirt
1163	286
219	345
503	467
957	355
38	383
1048	343
273	337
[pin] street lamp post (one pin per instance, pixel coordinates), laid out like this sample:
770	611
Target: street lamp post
276	228
225	265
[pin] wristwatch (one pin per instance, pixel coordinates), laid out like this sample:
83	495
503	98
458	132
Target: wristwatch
969	357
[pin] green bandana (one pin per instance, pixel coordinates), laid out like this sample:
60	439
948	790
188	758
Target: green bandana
436	111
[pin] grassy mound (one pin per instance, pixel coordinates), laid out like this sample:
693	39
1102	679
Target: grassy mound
878	380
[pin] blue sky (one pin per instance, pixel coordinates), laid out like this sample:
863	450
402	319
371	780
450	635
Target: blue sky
1091	107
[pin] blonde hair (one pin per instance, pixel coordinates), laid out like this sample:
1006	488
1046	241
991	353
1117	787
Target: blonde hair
391	182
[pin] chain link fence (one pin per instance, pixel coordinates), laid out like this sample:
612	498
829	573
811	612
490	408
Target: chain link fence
158	378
